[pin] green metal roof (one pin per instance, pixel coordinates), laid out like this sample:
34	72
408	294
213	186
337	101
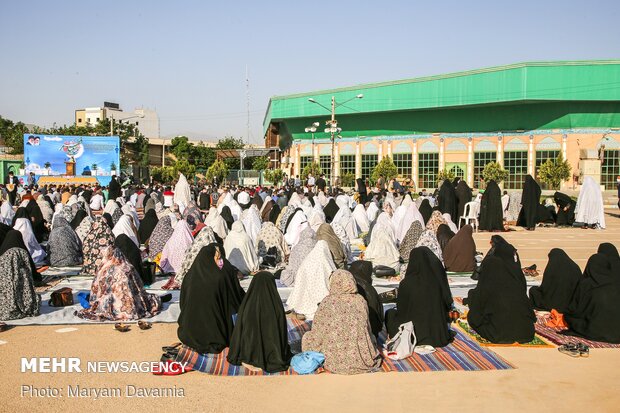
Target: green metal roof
570	81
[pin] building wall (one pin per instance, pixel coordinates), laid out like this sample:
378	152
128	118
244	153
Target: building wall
467	153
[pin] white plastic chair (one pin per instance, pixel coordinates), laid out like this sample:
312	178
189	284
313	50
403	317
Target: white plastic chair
470	214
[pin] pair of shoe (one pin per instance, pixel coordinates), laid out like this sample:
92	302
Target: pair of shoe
575	350
295	316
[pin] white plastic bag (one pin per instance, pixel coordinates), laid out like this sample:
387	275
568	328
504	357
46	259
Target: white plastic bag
402	344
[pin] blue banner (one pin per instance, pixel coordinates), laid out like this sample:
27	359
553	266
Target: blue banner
96	156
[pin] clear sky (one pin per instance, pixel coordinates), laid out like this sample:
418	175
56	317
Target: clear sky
187	59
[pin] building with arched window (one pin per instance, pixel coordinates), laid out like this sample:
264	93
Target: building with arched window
518	115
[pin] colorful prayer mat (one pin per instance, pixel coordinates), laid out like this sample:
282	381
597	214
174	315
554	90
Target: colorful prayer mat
536	342
554	335
463	354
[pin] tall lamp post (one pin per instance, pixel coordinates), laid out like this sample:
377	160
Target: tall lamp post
312	128
333	129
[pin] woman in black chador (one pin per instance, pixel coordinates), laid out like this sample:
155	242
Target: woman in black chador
530	201
491	213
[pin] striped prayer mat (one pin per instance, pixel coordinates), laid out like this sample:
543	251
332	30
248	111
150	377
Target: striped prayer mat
536	342
553	335
464	354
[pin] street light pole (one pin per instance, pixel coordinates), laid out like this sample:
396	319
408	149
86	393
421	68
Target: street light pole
333	172
333	129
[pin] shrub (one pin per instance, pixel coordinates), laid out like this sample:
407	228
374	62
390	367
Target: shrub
274	176
494	171
443	175
312	168
217	170
554	172
386	168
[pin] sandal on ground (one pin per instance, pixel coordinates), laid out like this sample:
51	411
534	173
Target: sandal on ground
144	325
570	350
296	316
123	328
584	351
252	368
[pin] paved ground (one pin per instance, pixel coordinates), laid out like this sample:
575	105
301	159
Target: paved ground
544	380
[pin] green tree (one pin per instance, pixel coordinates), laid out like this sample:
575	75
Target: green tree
347	179
165	174
443	175
218	170
181	147
202	156
13	135
229	142
494	171
260	163
185	167
274	175
312	168
554	172
386	168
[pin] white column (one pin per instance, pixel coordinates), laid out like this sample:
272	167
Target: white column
441	154
297	158
500	150
358	160
470	162
564	140
414	163
380	142
389	148
315	154
530	156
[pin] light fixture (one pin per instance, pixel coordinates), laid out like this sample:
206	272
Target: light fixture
316	124
311	100
361	95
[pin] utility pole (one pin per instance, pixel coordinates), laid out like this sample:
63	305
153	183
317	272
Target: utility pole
333	130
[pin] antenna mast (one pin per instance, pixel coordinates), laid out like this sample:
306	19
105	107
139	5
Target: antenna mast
247	97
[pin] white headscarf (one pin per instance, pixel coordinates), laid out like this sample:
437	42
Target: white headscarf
216	222
345	218
173	254
361	219
124	226
243	198
316	219
449	222
590	209
110	207
411	213
371	212
382	251
182	191
131	211
298	222
312	281
240	249
24	226
251	222
384	224
7	213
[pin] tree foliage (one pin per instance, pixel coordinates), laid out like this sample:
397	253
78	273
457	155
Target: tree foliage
185	167
165	174
555	171
385	168
229	142
218	170
274	175
347	179
312	168
494	171
443	175
13	134
260	163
